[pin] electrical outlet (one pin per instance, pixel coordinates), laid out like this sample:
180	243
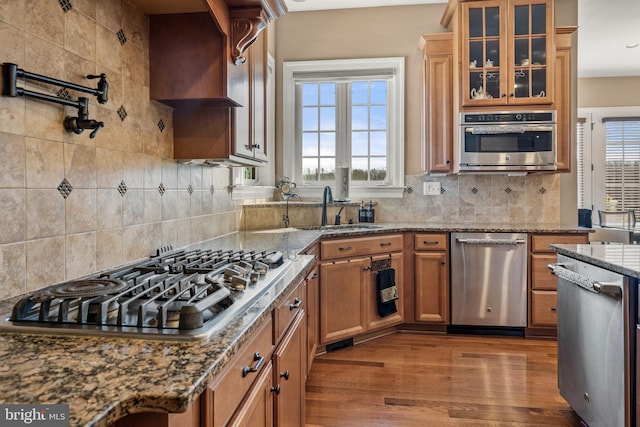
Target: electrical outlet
431	188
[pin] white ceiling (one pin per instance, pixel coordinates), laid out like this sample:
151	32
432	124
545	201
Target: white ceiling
605	28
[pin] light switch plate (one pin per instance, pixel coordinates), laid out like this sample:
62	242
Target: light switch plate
431	188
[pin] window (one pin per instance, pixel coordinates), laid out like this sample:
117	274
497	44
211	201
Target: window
622	183
345	114
608	158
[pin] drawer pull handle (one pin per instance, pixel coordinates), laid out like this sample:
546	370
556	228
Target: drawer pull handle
385	244
553	309
276	389
285	375
344	248
430	242
255	368
315	276
296	304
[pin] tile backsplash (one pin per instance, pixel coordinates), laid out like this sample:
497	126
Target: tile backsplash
124	195
481	199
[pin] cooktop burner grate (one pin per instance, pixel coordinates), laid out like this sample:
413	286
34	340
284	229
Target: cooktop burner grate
181	292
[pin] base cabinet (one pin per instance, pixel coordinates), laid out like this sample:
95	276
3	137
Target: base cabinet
543	295
348	300
313	296
257	409
289	362
431	276
342	298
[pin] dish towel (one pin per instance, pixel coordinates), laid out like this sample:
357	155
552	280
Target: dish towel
387	292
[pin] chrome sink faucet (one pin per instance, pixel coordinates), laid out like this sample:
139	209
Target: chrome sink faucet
327	197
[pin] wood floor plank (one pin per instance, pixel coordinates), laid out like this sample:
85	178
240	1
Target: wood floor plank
412	379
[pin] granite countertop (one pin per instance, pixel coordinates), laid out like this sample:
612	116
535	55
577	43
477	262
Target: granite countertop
103	378
619	258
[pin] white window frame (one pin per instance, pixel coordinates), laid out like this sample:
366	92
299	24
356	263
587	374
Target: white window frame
394	186
595	153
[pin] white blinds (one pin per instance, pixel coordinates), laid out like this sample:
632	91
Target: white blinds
580	163
622	164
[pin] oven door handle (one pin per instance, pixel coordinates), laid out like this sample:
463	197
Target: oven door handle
503	129
607	288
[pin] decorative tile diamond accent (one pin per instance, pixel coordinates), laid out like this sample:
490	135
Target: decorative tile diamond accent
542	190
474	190
161	189
442	190
161	125
122	188
212	189
65	188
190	189
121	37
63	94
409	190
65	5
507	190
122	113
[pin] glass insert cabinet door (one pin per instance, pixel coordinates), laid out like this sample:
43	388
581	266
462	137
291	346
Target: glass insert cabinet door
507	52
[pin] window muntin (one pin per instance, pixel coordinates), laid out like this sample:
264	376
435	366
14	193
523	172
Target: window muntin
368	133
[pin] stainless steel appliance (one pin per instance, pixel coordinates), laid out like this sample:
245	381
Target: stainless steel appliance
597	313
507	141
489	279
174	295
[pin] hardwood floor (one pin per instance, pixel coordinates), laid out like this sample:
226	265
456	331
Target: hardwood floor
436	380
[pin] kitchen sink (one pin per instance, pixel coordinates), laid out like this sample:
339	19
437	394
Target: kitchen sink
343	227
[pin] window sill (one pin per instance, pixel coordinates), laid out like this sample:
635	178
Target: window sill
368	193
252	192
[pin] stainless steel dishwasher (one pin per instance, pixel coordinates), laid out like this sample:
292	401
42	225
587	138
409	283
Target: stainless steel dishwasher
596	341
489	279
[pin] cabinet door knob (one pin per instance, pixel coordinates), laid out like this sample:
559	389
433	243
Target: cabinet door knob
285	375
296	304
553	309
276	389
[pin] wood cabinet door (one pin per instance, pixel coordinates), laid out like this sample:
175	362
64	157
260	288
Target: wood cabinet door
562	97
437	121
431	287
313	294
257	409
289	376
342	299
374	320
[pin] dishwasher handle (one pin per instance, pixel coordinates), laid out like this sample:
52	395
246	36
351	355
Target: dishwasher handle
492	242
586	283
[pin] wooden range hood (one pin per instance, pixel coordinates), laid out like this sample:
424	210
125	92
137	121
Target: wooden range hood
197	65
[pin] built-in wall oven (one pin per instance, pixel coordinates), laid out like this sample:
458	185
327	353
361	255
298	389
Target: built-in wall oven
507	141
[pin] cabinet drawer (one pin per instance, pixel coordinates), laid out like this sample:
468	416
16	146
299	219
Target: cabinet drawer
541	276
544	310
225	393
541	242
430	242
347	248
286	311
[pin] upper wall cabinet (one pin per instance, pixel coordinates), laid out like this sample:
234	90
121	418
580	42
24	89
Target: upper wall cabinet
210	65
506	51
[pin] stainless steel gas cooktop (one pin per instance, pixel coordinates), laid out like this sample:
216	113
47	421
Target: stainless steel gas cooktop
183	295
